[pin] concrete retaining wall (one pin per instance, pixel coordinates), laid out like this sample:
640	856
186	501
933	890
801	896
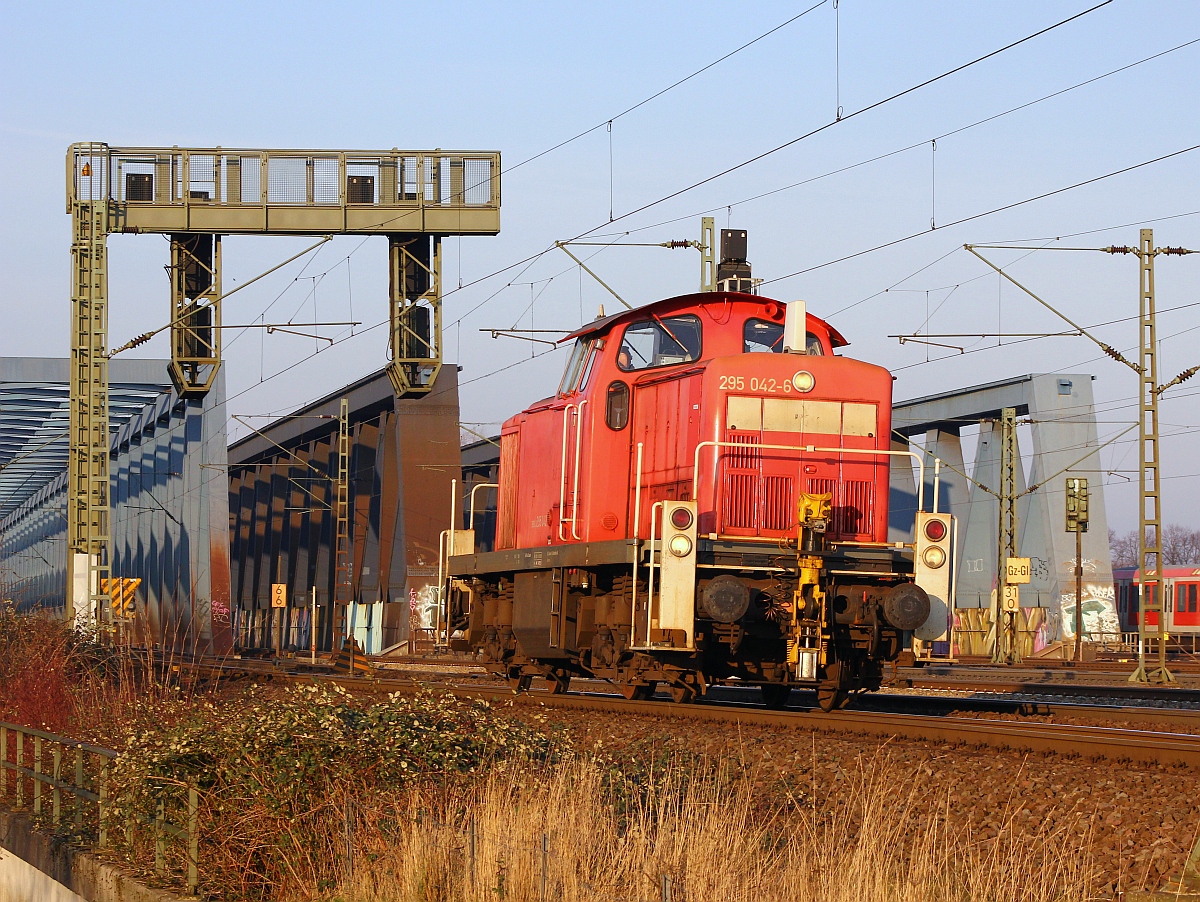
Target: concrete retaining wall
37	868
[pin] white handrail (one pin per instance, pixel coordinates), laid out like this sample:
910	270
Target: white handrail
650	593
475	488
562	473
441	584
637	511
808	449
575	486
450	547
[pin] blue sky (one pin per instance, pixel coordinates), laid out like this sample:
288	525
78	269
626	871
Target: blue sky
521	77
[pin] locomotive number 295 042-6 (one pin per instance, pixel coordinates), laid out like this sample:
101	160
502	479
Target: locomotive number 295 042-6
769	386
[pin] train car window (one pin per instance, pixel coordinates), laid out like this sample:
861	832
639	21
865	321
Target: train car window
573	375
764	337
1192	598
616	405
1180	598
661	341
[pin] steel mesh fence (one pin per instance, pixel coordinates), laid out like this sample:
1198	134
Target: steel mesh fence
175	177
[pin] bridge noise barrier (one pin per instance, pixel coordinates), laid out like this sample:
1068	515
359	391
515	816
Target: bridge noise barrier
1059	412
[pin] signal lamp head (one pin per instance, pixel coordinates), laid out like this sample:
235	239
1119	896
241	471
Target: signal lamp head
680	546
681	518
804	381
935	530
934	557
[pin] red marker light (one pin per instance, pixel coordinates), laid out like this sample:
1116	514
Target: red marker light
935	530
681	518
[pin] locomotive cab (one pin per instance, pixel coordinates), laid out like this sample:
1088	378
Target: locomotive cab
703	500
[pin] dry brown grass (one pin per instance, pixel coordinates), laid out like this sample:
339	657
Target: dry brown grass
616	839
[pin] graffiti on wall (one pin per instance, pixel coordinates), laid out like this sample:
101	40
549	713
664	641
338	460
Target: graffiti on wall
1099	602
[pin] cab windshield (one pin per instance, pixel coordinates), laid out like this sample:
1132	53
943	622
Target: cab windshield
661	341
578	366
763	336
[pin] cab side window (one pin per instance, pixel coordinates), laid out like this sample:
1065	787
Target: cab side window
616	405
661	341
763	336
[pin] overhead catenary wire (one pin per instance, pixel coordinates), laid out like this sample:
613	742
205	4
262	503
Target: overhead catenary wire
671	87
1038	336
895	96
531	258
917	144
859	112
992	211
540	253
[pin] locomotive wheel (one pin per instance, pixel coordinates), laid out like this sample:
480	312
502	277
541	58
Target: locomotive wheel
638	692
774	695
682	695
519	681
558	682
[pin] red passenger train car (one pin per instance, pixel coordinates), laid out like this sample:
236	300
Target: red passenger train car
1181	597
704	499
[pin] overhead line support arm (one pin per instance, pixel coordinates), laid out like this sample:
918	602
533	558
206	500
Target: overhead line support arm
562	245
1106	348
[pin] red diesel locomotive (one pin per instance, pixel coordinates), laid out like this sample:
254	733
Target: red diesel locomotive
704	499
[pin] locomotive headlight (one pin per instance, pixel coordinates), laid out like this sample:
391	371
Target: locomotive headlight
804	381
934	557
680	546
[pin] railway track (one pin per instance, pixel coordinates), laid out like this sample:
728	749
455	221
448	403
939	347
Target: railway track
1061	683
1146	746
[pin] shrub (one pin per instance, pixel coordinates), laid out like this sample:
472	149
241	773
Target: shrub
282	775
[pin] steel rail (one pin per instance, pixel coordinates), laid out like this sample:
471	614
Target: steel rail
1143	746
1098	742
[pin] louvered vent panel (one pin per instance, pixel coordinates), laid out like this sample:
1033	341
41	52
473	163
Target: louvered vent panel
749	458
778	502
823	487
741	500
857	508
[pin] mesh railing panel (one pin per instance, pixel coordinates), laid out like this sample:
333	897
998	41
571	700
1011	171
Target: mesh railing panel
175	177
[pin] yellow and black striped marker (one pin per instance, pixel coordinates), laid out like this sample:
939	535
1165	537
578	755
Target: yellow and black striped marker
351	659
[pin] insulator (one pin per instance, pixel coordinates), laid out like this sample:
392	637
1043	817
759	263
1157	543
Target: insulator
676	244
1119	249
1174	251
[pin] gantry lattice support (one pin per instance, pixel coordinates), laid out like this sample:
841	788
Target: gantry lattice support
1008	649
1150	522
87	601
415	298
196	195
343	592
195	312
